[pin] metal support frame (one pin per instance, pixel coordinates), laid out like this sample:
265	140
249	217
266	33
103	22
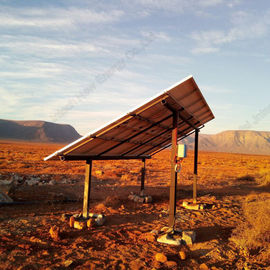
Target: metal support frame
181	138
153	138
143	175
195	165
163	142
87	188
173	185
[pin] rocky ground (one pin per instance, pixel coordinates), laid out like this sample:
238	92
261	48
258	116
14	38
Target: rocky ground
45	193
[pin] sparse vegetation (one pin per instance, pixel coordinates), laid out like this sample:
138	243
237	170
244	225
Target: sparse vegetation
252	235
264	177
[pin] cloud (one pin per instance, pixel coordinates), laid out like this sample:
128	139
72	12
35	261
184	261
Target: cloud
48	48
245	26
8	101
178	5
55	18
203	50
92	120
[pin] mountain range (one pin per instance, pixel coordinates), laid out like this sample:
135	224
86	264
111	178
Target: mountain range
37	131
232	141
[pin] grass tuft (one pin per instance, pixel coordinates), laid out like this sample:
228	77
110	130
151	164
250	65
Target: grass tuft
252	236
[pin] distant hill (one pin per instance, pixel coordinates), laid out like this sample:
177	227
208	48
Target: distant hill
38	131
234	141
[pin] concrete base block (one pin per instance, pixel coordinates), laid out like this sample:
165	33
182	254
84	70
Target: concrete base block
176	237
140	198
79	222
170	239
189	237
191	206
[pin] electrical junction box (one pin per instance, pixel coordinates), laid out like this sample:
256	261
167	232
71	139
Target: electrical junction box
181	150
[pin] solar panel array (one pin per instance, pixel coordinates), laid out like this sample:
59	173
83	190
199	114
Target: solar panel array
145	130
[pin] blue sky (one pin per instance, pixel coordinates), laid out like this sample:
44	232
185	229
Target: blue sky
87	62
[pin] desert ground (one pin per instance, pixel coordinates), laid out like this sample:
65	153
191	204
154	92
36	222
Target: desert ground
233	234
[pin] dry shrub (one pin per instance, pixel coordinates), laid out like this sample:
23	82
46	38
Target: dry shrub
246	178
264	177
252	236
113	201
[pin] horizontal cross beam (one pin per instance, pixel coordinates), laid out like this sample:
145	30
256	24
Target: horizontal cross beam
144	119
85	157
158	135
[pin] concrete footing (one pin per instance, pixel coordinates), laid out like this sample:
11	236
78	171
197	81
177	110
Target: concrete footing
177	237
172	238
140	198
191	206
79	222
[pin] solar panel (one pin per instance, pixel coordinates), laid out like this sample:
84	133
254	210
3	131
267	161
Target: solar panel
146	129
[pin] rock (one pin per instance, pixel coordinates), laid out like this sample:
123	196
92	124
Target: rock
188	237
90	223
142	193
65	217
71	222
37	240
124	177
100	207
148	199
55	233
185	204
148	237
202	206
100	220
16	177
155	232
45	252
79	224
171	264
99	172
77	215
32	181
182	255
131	197
6	182
4	198
65	181
68	263
136	264
157	265
203	266
160	257
52	182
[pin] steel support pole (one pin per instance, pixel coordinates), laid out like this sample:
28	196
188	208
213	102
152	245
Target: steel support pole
143	175
87	188
173	186
195	166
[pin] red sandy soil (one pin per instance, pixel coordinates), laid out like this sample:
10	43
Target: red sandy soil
124	241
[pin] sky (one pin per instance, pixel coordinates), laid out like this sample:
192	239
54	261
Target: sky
86	63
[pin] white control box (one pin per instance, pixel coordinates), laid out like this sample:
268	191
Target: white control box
181	150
